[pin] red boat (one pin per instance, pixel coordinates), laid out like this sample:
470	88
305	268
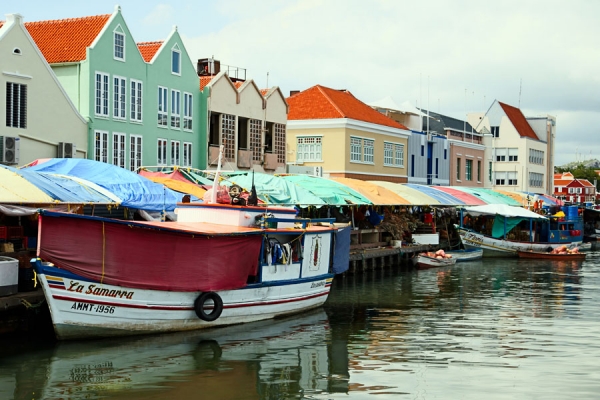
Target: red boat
551	256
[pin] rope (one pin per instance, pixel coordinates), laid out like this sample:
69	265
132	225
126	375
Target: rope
29	305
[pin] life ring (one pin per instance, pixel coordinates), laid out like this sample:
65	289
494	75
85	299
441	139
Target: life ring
217	309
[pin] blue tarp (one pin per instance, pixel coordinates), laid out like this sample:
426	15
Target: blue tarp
134	190
341	251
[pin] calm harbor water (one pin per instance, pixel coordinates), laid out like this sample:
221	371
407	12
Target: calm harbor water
494	329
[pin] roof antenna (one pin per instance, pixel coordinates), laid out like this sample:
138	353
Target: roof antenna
520	85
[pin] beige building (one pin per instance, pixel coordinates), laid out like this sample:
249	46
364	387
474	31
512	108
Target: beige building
38	118
519	151
333	131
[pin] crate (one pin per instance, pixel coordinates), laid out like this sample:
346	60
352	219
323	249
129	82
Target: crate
9	276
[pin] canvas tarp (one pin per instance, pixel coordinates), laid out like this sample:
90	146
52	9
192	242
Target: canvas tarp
377	194
18	190
134	190
504	210
331	192
414	196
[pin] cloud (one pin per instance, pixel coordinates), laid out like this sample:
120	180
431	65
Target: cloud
162	14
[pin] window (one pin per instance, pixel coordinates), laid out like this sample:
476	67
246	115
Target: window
490	172
437	168
255	129
537	180
101	146
412	165
279	149
369	150
308	148
135	152
101	94
478	170
175	147
362	150
500	154
513	154
176	60
422	151
469	170
495	131
393	154
136	100
119	98
228	136
536	157
458	169
162	106
187	154
355	149
16	105
500	178
188	101
119	149
119	44
511	178
162	152
175	108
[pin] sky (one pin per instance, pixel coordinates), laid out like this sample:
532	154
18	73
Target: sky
450	56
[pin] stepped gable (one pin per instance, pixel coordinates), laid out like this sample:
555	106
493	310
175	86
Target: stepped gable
149	49
320	102
519	121
66	40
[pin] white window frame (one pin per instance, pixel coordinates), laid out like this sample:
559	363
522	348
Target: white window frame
500	154
118	32
187	154
137	97
399	155
102	94
513	154
175	109
512	178
163	107
176	69
309	148
119	97
175	152
188	111
135	152
393	154
355	149
101	146
119	146
255	128
161	156
537	180
369	151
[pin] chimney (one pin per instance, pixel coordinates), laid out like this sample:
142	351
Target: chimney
294	92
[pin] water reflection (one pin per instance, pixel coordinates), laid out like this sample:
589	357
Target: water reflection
267	360
492	328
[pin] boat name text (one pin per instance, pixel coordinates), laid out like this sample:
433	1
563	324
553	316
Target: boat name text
99	308
317	284
99	291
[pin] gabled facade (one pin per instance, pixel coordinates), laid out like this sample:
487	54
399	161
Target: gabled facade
573	190
248	122
463	149
345	137
518	158
39	127
139	102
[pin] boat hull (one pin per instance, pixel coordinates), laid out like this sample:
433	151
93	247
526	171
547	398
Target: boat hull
471	254
493	247
86	309
549	256
424	262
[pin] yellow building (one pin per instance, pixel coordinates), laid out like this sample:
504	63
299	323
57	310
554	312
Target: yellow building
335	131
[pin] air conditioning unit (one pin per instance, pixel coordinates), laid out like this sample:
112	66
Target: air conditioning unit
9	149
66	150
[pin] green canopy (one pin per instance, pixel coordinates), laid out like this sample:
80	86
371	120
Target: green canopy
331	192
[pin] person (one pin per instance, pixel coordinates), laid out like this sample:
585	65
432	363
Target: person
235	192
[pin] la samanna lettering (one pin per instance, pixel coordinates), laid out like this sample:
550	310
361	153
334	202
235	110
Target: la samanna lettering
317	284
99	291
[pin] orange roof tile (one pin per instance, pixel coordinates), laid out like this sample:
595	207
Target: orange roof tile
519	121
320	102
66	40
264	91
149	49
205	80
562	182
238	84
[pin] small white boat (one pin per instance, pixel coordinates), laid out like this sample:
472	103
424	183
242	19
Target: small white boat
424	262
466	254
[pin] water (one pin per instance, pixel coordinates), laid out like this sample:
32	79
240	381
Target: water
494	329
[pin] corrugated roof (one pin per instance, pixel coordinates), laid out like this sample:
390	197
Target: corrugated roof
519	121
149	49
320	102
66	40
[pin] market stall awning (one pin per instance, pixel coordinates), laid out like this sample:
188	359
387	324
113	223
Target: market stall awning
377	194
443	197
274	190
330	191
134	190
489	196
14	189
467	198
175	181
413	196
546	199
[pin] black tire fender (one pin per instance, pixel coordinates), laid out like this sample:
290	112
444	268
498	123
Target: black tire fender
199	306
